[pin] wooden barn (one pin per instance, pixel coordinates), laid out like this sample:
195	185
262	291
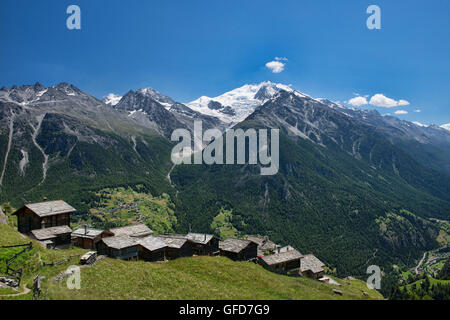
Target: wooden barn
312	267
203	244
177	246
238	249
152	249
87	238
264	245
136	231
54	236
125	248
282	263
43	215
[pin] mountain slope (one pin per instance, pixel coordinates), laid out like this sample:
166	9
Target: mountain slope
338	180
58	141
154	110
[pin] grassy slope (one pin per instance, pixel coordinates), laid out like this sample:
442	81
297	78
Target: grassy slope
32	261
187	278
197	278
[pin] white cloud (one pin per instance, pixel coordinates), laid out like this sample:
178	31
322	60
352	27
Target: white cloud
417	110
281	59
380	100
276	66
358	101
401	112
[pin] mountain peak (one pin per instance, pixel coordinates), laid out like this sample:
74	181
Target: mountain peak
112	99
236	105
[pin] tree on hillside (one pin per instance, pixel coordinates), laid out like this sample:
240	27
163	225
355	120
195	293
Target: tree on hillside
445	271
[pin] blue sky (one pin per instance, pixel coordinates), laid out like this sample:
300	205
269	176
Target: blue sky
186	49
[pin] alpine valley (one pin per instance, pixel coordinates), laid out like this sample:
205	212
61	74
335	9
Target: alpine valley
354	187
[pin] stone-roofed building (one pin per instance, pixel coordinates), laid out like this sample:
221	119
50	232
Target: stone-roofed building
264	245
311	267
177	246
123	247
53	236
238	249
152	249
137	231
203	244
87	238
282	263
43	215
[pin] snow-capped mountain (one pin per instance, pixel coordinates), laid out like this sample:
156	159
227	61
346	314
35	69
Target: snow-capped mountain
446	126
112	99
236	105
155	110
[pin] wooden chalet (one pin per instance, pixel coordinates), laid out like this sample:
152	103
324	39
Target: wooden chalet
282	263
238	249
152	249
43	215
87	238
177	246
264	245
124	247
311	267
203	244
52	237
136	231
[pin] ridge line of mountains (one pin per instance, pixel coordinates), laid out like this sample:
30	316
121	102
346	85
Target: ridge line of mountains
351	182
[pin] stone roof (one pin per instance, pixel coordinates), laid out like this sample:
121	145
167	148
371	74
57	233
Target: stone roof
152	243
49	208
285	249
200	238
139	230
87	233
120	242
175	242
282	257
234	245
50	233
311	263
264	244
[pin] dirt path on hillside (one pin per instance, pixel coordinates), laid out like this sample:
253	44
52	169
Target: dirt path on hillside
25	291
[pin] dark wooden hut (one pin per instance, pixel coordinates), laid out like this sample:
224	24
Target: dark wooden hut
203	244
43	215
238	249
152	249
177	246
312	267
54	236
283	263
87	238
124	247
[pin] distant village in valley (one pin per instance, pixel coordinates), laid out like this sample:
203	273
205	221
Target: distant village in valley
50	224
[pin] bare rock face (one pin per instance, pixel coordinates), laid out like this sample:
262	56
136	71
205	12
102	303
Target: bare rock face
3	217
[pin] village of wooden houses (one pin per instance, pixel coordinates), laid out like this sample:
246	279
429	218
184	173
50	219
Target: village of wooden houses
50	224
